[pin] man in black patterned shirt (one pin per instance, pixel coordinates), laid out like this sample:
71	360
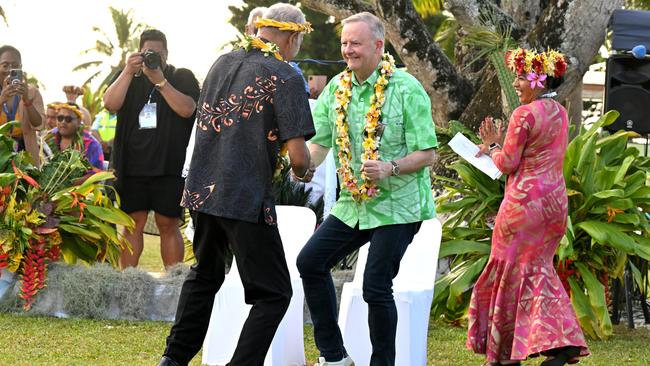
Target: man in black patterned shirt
252	103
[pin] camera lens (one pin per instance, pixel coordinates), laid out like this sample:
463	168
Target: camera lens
152	59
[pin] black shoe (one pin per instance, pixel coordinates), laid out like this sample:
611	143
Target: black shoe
166	361
562	355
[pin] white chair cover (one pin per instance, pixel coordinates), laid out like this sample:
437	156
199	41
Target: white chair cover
296	225
413	291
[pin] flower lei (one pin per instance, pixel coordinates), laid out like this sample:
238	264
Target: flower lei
269	48
372	131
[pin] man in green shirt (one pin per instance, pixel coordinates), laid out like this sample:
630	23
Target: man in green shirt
378	121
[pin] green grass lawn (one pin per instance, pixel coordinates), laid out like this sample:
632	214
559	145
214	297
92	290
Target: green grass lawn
47	341
36	341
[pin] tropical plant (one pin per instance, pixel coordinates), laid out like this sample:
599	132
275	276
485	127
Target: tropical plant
123	42
51	213
92	101
608	201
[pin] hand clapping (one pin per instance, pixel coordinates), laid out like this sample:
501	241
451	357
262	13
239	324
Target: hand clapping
490	132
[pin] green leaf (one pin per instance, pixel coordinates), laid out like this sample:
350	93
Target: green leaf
74	229
586	317
455	247
112	215
608	234
99	176
467	275
596	295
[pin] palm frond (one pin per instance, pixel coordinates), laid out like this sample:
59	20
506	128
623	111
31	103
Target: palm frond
86	65
428	7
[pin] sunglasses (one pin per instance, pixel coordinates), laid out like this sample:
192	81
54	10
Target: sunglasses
67	119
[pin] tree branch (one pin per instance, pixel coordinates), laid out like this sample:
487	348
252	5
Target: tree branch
339	9
473	13
405	30
577	28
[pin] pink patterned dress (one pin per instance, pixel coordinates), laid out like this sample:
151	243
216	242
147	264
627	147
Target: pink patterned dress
519	307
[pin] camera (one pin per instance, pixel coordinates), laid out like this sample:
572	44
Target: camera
15	76
152	59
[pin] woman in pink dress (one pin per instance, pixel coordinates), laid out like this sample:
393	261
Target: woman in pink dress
519	307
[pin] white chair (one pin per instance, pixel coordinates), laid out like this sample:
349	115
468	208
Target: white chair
413	291
296	225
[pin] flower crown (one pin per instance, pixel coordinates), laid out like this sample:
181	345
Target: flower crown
68	106
523	62
285	26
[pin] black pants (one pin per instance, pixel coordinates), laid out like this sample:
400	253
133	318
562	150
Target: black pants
332	242
263	269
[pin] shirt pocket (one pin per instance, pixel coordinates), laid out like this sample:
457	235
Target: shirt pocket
393	138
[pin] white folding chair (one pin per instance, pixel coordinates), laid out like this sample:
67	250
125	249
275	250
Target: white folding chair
296	225
413	292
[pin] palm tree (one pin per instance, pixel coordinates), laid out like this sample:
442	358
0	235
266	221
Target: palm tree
3	15
127	31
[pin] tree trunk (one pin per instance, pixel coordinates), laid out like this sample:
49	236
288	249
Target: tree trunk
575	27
424	59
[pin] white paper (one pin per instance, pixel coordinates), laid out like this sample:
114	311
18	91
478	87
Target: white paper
468	150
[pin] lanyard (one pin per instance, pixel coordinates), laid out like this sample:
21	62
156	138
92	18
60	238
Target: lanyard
11	116
150	95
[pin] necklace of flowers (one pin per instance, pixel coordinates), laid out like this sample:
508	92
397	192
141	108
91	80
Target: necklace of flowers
268	48
372	131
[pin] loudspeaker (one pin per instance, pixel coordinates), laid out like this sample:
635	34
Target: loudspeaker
627	90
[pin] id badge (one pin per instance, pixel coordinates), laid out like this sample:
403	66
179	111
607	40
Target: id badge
147	118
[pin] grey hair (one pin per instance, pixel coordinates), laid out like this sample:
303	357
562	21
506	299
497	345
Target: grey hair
285	13
254	14
375	24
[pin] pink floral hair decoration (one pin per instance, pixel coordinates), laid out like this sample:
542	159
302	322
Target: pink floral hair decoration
536	80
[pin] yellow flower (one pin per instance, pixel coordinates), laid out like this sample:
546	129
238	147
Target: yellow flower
370	144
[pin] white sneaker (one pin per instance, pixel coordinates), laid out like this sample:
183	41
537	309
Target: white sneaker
344	362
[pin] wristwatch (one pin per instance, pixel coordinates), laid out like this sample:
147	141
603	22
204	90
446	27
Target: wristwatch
161	85
494	145
395	169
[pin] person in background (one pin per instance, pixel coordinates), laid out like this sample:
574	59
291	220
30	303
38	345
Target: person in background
250	28
155	104
20	101
50	115
70	134
72	93
103	129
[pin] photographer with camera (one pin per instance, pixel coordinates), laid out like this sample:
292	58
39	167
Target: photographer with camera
20	102
155	104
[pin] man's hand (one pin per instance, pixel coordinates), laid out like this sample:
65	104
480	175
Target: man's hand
134	63
309	174
377	169
154	75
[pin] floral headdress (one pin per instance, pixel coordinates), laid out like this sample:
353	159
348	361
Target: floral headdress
536	66
285	26
69	106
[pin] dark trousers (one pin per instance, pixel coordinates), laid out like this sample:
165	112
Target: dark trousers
257	248
332	242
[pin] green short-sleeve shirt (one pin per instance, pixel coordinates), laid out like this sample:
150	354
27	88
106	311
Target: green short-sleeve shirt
409	127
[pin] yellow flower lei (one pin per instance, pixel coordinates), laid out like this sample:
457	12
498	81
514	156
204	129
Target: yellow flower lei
368	189
285	26
267	48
